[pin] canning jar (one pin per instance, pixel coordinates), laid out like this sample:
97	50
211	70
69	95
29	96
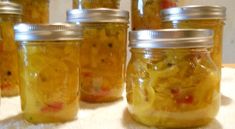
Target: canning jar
103	52
49	71
172	81
34	11
146	13
206	17
10	13
89	4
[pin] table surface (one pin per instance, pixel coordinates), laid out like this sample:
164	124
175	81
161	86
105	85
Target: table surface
115	115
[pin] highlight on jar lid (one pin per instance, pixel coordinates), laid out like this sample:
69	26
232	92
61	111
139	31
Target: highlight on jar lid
98	15
172	38
7	7
194	12
47	32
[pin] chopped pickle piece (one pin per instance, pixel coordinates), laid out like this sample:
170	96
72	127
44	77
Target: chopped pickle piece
49	81
89	4
146	13
9	61
103	62
176	89
34	11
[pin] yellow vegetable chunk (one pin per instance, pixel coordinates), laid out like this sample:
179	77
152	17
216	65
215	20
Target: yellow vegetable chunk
175	88
9	73
146	13
214	24
103	62
34	11
49	86
89	4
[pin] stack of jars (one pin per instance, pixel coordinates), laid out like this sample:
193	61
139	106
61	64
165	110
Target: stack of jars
171	79
54	64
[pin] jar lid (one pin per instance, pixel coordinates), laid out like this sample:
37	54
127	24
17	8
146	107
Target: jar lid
7	7
98	15
194	12
171	38
47	32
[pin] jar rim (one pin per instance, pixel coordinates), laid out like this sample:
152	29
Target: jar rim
171	38
48	32
194	12
98	15
7	7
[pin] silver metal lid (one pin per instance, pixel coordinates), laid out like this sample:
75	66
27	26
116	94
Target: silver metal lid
98	15
194	12
171	38
47	32
7	7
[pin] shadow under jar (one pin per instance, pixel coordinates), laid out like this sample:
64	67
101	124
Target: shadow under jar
172	81
199	17
146	13
103	53
89	4
10	13
34	11
49	71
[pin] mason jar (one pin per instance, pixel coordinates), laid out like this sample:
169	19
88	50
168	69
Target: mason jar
103	52
146	13
172	82
89	4
34	11
49	57
10	13
198	16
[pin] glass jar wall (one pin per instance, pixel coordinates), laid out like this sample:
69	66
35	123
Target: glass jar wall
49	58
207	17
34	11
103	53
146	13
89	4
8	50
172	84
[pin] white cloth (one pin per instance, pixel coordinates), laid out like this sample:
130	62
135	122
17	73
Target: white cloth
115	115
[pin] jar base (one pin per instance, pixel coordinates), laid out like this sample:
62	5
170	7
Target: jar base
99	99
40	118
176	124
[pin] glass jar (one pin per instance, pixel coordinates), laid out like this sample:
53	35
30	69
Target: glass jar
146	13
206	17
103	52
172	81
10	13
89	4
49	71
35	11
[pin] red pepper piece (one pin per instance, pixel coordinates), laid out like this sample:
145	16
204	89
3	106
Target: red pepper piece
175	91
167	4
5	85
87	74
53	107
185	100
188	99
